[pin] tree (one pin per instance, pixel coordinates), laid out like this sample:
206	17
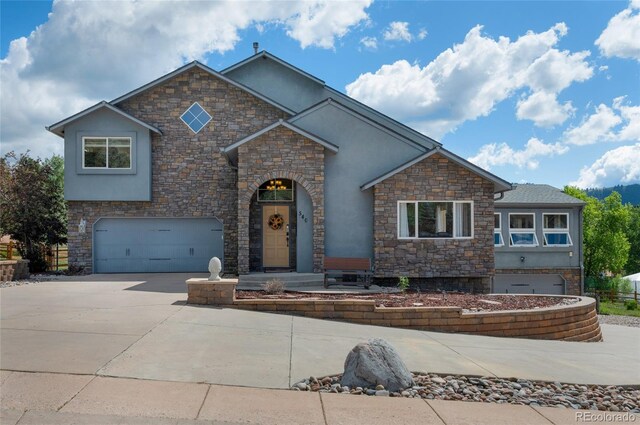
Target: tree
605	227
32	208
633	235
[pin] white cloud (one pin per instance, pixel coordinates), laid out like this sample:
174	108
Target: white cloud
397	31
88	51
621	38
467	81
422	34
369	42
494	154
618	166
618	123
543	109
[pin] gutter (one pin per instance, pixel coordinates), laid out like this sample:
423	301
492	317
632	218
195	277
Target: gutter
226	155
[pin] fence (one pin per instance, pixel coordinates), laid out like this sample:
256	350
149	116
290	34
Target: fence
614	296
57	256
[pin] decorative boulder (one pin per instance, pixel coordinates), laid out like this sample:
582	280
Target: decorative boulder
376	363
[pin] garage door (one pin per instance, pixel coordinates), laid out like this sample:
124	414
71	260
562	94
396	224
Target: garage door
132	245
528	284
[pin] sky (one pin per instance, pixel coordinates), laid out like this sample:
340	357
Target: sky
538	92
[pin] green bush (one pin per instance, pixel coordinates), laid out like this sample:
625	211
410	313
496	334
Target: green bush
631	304
403	283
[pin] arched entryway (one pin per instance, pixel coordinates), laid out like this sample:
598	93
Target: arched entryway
280	225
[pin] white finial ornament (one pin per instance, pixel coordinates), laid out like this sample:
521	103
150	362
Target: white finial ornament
215	267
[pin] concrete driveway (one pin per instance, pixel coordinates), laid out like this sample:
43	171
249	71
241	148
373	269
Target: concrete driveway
138	326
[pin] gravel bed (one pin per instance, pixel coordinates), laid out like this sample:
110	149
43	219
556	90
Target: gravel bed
467	302
495	390
33	279
610	319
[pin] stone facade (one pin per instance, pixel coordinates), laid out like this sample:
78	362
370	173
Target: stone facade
280	153
14	270
190	177
434	179
572	276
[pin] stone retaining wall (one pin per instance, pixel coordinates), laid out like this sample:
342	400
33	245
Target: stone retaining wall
14	270
575	322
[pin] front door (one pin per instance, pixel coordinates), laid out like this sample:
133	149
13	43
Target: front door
275	236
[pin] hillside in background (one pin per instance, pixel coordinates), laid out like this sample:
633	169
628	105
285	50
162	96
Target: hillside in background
630	193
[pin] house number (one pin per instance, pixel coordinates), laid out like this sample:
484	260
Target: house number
302	216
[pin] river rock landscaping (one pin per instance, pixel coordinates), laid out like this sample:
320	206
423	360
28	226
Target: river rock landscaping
468	302
494	390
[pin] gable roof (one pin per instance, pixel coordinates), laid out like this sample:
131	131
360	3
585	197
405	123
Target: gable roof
540	194
196	64
345	108
58	128
331	92
264	55
500	185
328	145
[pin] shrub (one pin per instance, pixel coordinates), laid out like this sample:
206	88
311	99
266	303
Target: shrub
274	286
403	283
631	304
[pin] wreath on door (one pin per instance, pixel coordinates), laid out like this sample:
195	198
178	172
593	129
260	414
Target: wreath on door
276	221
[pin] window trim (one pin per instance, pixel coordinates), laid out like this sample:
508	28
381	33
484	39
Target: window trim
130	167
531	231
204	110
471	202
497	230
548	230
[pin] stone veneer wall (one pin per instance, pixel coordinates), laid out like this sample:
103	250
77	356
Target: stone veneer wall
14	270
190	177
572	276
280	153
434	179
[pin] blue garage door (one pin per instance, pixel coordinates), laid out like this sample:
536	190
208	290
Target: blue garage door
143	245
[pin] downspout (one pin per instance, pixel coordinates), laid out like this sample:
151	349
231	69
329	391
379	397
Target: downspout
580	253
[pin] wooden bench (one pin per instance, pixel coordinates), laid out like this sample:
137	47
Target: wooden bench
358	267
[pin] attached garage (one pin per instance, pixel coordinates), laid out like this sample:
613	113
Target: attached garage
148	245
529	284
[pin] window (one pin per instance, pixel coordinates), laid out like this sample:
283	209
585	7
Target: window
556	230
435	220
276	190
522	230
196	117
106	152
497	232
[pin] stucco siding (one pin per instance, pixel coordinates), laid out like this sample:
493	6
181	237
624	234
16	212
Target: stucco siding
365	153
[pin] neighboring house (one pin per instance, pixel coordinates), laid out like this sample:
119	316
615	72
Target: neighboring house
268	168
538	241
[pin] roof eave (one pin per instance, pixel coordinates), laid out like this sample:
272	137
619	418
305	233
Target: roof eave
265	54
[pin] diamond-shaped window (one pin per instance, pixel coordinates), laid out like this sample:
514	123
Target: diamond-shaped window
196	117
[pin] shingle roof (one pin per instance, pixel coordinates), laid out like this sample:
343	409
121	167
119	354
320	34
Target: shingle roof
541	194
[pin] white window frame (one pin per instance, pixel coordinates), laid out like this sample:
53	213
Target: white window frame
205	124
532	231
497	230
416	219
84	138
546	231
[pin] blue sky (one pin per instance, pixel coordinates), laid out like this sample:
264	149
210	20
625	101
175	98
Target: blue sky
545	92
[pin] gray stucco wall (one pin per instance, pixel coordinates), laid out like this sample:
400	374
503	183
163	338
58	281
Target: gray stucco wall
107	185
365	153
285	86
508	257
304	231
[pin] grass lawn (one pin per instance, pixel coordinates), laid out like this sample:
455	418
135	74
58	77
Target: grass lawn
617	309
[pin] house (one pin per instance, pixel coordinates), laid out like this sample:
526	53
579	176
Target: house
538	241
268	168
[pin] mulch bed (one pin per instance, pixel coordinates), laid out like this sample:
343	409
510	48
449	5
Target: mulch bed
467	302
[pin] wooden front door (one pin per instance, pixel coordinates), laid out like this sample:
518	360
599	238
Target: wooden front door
275	236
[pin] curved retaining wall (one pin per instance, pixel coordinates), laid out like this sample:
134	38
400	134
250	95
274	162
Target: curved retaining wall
574	322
